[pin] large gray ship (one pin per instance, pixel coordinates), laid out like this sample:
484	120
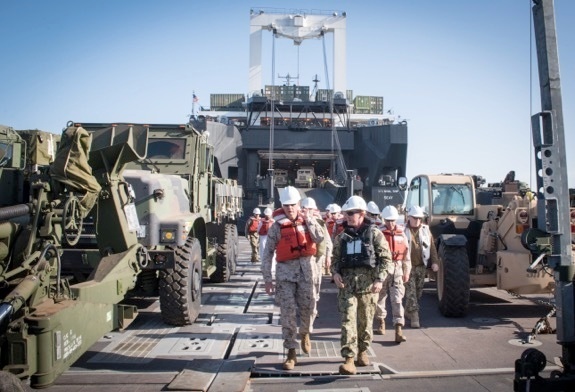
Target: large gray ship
265	138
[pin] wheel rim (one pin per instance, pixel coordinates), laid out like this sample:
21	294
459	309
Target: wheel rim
440	279
196	283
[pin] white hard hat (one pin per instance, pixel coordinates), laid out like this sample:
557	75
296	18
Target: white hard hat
308	202
390	213
416	212
289	195
354	203
257	211
328	208
268	212
372	208
334	208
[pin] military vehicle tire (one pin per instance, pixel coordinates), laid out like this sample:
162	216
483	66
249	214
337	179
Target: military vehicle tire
225	257
234	245
453	280
181	287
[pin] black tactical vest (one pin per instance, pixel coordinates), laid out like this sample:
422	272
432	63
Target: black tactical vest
357	247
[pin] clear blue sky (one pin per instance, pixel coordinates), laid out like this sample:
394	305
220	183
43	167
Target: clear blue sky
458	71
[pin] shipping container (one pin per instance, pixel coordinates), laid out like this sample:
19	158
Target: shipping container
364	104
226	101
324	95
287	93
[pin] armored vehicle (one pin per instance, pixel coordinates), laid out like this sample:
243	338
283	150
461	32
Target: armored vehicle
186	217
478	244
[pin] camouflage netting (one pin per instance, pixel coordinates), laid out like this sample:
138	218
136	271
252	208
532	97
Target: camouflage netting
41	146
71	166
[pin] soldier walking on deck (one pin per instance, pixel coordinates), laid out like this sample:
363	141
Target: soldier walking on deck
360	261
324	248
398	274
251	231
423	256
293	237
373	214
263	227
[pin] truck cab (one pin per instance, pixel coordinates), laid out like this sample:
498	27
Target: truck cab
280	177
305	177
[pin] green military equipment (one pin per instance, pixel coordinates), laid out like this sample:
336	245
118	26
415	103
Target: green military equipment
186	217
12	162
118	209
45	304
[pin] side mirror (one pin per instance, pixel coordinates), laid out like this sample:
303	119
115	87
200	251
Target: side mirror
13	155
402	183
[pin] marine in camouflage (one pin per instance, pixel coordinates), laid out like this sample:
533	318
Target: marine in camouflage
356	302
414	288
295	292
393	285
254	240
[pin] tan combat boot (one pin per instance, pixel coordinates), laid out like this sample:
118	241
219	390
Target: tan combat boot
291	360
348	367
381	328
305	343
362	359
414	320
399	334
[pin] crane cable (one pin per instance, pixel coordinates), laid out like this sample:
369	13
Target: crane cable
531	33
272	125
335	136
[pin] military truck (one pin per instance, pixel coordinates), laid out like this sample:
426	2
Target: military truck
43	311
479	245
281	178
305	177
187	217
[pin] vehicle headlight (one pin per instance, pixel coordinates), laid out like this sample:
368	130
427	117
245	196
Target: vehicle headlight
168	235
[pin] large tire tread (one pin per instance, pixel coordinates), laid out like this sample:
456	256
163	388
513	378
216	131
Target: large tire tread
181	287
453	281
225	256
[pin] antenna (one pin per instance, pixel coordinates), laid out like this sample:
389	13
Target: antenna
315	87
288	78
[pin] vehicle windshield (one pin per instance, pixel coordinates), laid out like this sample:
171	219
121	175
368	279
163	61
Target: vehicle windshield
166	148
452	199
5	153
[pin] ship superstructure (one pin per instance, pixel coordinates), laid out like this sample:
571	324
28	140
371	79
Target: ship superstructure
352	145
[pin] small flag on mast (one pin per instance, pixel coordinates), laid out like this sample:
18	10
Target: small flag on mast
195	98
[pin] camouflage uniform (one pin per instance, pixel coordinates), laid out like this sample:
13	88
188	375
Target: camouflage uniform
396	288
414	286
324	248
295	292
254	240
356	302
394	285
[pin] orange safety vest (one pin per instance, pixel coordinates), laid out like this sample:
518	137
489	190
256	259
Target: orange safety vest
338	227
266	224
295	240
253	226
397	242
330	223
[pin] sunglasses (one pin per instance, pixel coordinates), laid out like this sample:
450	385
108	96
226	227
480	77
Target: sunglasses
353	212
